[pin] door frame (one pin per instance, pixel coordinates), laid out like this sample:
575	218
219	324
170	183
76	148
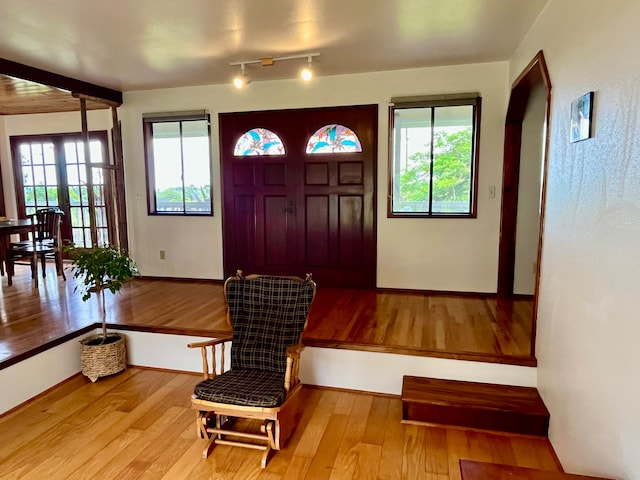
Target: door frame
535	74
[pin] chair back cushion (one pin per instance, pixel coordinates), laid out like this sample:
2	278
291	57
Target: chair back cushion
268	315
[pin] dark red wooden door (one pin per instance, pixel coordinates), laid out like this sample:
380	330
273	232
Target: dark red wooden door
299	212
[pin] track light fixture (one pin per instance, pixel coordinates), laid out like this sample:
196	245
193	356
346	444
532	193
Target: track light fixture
242	79
306	73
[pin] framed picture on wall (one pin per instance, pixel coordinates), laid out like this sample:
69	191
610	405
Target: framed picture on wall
581	124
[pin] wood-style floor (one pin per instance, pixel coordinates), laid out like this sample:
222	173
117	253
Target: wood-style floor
471	327
139	425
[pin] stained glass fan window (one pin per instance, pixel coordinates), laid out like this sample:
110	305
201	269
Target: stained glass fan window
258	141
333	139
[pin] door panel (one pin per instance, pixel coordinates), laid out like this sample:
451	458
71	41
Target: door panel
350	243
310	212
276	225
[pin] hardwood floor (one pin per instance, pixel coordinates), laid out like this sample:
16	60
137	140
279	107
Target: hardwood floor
471	327
139	424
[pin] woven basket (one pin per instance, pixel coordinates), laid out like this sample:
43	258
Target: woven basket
104	359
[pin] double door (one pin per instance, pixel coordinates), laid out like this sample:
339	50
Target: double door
53	171
299	193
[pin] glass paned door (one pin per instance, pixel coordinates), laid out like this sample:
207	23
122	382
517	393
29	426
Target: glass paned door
53	173
77	187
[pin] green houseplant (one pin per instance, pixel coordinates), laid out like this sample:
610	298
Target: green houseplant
98	270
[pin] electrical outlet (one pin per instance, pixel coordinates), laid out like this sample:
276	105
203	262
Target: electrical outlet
162	255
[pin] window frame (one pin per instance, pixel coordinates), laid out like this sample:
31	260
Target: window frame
148	120
455	100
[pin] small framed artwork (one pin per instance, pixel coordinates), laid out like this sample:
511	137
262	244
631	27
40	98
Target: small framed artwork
581	112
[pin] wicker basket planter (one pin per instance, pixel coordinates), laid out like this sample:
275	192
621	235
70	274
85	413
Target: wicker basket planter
102	359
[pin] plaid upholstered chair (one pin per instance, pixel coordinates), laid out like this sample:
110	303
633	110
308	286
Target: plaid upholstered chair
268	315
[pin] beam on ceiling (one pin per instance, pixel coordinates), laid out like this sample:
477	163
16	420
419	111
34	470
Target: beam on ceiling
14	69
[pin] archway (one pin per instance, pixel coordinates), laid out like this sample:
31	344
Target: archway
533	85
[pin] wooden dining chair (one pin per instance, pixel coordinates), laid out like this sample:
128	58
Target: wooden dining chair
45	243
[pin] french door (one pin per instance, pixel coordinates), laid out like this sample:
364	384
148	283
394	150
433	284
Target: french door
53	171
299	193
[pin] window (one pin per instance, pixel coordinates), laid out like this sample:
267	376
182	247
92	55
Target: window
433	156
333	138
178	161
258	141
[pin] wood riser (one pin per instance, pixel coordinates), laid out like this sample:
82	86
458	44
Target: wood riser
474	405
472	470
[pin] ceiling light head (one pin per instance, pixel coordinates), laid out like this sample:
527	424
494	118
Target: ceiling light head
241	80
307	72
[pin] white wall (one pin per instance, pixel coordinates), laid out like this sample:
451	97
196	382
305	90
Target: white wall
588	328
68	122
5	161
32	376
438	254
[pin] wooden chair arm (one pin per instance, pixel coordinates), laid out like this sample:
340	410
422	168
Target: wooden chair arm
213	343
293	366
294	352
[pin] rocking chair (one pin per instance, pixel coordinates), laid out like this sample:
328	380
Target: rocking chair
268	315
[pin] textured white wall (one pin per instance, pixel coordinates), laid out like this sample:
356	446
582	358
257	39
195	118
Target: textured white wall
438	254
588	328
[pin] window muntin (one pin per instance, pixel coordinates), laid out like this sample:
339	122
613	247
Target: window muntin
433	158
178	161
333	138
258	141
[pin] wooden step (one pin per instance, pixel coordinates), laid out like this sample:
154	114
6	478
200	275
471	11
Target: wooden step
472	470
485	406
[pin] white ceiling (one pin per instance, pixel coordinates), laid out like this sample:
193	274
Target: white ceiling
145	44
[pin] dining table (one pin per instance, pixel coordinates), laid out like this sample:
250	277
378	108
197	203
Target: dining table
11	227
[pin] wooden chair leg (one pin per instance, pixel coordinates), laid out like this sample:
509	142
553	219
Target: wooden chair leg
43	262
10	270
34	271
59	266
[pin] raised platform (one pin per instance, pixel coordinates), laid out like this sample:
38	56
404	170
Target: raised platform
335	368
503	408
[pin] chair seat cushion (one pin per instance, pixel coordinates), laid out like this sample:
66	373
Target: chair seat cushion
252	388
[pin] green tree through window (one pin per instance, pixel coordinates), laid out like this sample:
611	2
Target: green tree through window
433	159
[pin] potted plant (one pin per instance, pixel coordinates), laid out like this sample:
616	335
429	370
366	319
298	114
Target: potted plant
101	269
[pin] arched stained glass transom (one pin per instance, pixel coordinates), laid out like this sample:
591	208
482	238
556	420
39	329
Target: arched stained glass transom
258	141
334	138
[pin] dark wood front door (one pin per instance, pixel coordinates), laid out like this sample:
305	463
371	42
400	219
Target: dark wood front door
298	212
